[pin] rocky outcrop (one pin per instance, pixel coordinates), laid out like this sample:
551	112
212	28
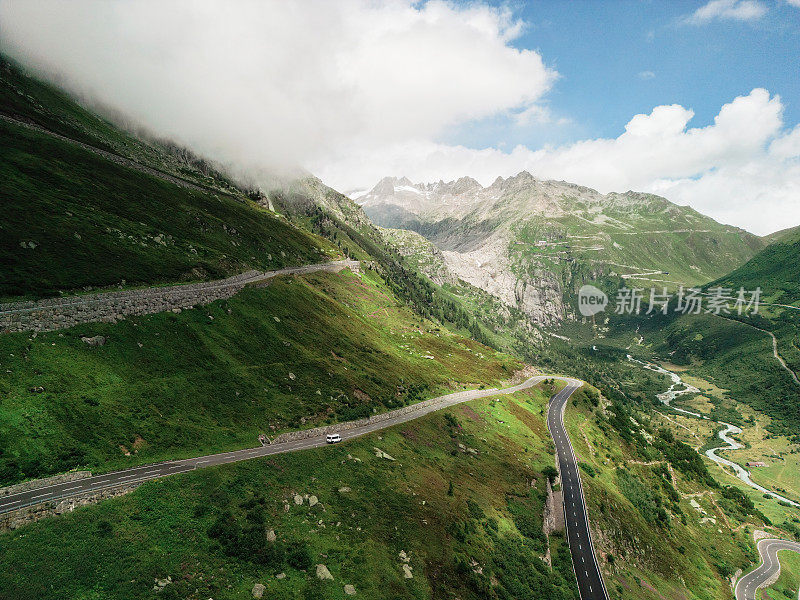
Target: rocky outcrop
381	454
323	573
422	253
539	296
160	584
553	511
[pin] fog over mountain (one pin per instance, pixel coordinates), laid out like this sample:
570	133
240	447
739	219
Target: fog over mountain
277	83
354	90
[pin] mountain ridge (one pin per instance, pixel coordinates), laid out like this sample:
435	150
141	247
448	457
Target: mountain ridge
529	241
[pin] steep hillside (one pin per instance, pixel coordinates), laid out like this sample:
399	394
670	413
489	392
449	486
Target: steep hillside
456	511
532	243
506	327
73	219
90	205
299	352
458	507
662	524
783	233
27	99
86	204
775	269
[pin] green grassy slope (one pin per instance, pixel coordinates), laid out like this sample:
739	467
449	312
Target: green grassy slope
647	531
96	223
297	353
679	244
25	97
776	270
462	499
783	233
786	588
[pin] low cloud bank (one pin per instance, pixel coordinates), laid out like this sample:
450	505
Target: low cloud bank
354	90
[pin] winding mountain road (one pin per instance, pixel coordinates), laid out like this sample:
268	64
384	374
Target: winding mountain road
767	572
584	559
587	571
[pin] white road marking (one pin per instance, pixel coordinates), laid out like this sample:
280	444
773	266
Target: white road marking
169	468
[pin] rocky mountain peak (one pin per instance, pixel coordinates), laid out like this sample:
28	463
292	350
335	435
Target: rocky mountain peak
497	183
465	185
385	187
518	181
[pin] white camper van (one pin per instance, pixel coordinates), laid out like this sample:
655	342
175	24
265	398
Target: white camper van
333	438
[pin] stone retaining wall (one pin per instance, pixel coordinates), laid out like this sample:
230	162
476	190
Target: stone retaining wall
35	484
424	407
60	313
553	511
305	434
28	514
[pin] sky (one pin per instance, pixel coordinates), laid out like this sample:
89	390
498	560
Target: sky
698	101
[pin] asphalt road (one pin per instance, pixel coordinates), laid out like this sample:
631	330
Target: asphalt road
134	475
748	586
584	561
587	571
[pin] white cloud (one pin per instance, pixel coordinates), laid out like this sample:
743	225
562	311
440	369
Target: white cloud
537	114
742	169
737	10
358	89
281	83
645	75
794	3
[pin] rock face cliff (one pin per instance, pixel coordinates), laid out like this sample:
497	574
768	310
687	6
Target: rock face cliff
531	243
537	293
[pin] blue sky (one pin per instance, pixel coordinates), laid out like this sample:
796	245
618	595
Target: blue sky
623	57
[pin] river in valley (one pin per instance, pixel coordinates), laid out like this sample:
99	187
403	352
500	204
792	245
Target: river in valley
679	388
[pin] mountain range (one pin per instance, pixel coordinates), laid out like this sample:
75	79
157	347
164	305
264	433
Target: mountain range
533	243
450	286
